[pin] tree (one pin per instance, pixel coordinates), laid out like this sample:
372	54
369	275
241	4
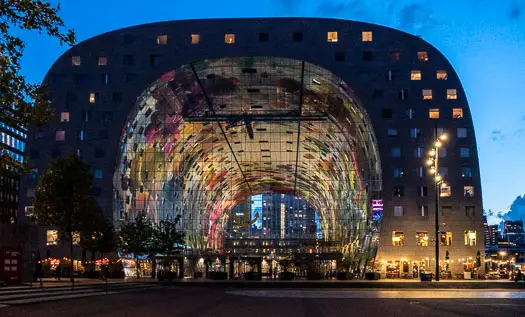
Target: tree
168	240
136	237
98	235
64	200
23	103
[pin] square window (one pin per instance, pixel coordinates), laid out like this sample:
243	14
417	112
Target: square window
60	135
81	79
415	75
368	56
264	37
366	36
92	97
422	238
392	132
64	117
387	113
464	152
398	238
57	79
445	238
444	190
415	133
399	191
422	191
470	238
339	56
229	38
97	173
422	56
468	191
377	94
398	211
443	171
466	172
442	152
470	211
462	133
452	94
395	56
195	39
162	39
403	94
433	113
423	211
332	36
130	78
427	94
396	152
154	60
128	60
102	61
117	97
52	237
441	75
297	36
100	154
457	113
76	60
411	113
419	152
398	172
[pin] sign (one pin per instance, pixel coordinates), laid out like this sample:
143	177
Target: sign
377	205
10	264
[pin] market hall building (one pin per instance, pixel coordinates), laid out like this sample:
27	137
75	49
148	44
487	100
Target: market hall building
193	117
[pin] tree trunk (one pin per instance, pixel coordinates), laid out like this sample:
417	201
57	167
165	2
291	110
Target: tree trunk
137	265
153	266
72	277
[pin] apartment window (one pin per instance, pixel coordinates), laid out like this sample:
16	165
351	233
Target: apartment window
444	190
470	211
85	116
452	94
470	238
422	238
105	79
339	56
422	191
422	56
368	56
441	75
97	173
102	61
264	37
419	171
76	60
100	154
415	133
442	152
162	39
464	152
64	117
377	94
57	80
396	152
82	135
445	238
366	36
411	113
399	191
392	132
130	78
398	211
108	117
394	56
332	36
391	75
81	79
423	211
117	97
28	210
403	94
462	133
419	152
229	38
60	135
457	113
128	60
52	237
398	172
154	60
398	238
415	75
468	191
195	39
297	36
433	113
387	113
427	94
92	97
466	172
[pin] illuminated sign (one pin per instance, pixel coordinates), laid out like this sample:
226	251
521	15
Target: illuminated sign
377	205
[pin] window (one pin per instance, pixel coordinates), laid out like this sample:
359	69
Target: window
82	135
398	238
81	79
60	135
76	60
377	94
422	191
105	79
399	191
441	75
433	113
92	97
415	75
154	60
415	133
444	190
339	56
446	210
64	117
297	36
442	152
403	94
419	152
392	132
264	37
368	56
195	39
457	113
85	116
108	117
422	56
162	39
398	172
102	61
470	238
332	36
229	38
391	75
396	152
394	56
445	238
57	79
366	36
128	60
411	113
387	113
130	78
117	97
398	211
452	94
97	173
466	172
462	133
52	237
464	152
419	171
470	211
28	210
468	191
427	94
100	154
423	211
422	238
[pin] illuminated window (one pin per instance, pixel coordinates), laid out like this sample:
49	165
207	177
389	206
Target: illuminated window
403	94
445	238
64	117
398	172
396	152
411	113
367	36
394	56
28	210
229	38
422	238
442	152
441	75
423	211
97	173
433	113
452	94
457	113
332	36
470	238
415	75
92	97
422	191
468	191
427	94
464	152
415	133
195	38
60	135
392	132
75	61
462	133
398	238
466	172
419	152
162	39
445	190
52	237
422	56
102	61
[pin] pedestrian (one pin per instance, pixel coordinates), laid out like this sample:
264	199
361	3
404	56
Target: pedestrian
58	272
519	276
38	272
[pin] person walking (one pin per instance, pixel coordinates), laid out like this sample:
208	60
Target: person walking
58	272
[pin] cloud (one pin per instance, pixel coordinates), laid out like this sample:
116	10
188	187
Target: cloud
519	133
515	11
289	5
517	209
331	9
497	136
417	17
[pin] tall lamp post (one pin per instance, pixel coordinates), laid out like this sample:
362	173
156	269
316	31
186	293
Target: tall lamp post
433	163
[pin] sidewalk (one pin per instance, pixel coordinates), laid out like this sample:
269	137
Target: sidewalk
52	282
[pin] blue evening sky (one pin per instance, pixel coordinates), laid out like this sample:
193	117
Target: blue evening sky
483	39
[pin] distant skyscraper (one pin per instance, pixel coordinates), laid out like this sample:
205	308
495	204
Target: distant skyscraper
513	232
491	235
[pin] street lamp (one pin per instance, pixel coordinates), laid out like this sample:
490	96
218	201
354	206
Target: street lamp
433	163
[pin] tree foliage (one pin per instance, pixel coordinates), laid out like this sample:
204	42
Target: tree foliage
23	103
136	237
168	240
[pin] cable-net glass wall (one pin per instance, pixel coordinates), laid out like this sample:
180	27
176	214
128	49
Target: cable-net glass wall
211	134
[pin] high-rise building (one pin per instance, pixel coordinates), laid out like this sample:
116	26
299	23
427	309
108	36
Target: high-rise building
491	235
513	232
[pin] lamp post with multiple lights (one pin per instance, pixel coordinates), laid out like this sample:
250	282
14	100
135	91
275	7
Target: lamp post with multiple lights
433	163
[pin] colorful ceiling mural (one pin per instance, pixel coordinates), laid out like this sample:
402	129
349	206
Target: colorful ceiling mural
206	136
